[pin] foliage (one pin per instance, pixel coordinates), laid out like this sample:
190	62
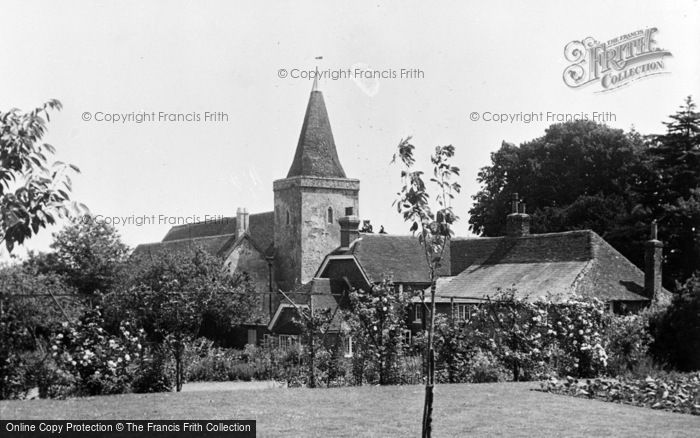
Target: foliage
28	315
89	253
578	175
102	363
676	330
153	373
627	341
678	394
171	296
33	192
377	321
672	194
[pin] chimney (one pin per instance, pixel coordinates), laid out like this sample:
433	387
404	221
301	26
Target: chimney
653	255
348	228
241	221
518	221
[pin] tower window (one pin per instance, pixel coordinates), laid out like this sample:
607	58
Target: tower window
329	215
288	218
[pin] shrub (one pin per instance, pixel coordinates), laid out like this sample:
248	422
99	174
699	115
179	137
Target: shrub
485	367
676	330
153	373
627	342
101	363
680	393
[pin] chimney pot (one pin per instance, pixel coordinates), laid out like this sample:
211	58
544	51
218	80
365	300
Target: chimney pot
518	222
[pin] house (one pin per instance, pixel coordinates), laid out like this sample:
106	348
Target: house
554	265
308	253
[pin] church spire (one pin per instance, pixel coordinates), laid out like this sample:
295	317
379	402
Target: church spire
316	154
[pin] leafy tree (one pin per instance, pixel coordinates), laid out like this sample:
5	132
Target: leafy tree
434	229
88	252
580	174
672	193
32	305
33	192
173	294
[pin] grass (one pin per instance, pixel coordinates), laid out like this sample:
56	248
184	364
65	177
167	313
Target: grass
499	409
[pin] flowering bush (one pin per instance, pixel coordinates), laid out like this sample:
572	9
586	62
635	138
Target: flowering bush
679	393
627	341
102	363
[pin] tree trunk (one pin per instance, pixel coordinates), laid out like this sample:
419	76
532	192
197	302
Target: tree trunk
428	407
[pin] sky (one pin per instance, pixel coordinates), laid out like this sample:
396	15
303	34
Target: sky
244	60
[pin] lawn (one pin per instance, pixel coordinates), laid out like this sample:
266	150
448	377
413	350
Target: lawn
501	409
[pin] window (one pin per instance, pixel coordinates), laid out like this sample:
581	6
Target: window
418	312
287	341
288	218
347	346
464	312
407	338
329	215
268	340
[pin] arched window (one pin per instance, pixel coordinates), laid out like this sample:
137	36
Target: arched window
288	218
329	216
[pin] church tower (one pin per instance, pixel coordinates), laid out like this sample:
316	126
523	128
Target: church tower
311	199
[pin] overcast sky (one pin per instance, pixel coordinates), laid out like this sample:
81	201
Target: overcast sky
191	57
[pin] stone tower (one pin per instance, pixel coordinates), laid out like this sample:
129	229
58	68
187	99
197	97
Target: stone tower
311	199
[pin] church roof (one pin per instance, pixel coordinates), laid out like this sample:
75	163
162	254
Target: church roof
216	236
316	154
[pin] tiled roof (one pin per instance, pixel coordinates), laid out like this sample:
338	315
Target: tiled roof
211	244
578	262
260	229
316	154
216	237
400	258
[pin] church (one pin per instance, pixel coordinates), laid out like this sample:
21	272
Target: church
308	251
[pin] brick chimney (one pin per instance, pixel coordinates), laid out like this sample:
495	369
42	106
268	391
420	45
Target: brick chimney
241	221
348	228
518	221
653	256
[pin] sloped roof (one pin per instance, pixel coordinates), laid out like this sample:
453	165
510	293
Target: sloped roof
316	154
260	229
212	244
400	258
578	262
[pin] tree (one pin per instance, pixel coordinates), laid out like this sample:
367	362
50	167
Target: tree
32	191
434	229
578	175
32	305
172	295
672	193
88	252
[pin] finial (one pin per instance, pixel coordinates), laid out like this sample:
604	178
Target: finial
514	203
654	230
315	86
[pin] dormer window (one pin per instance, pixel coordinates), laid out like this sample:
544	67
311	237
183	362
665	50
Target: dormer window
329	215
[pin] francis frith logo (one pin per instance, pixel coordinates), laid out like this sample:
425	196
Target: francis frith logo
616	62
